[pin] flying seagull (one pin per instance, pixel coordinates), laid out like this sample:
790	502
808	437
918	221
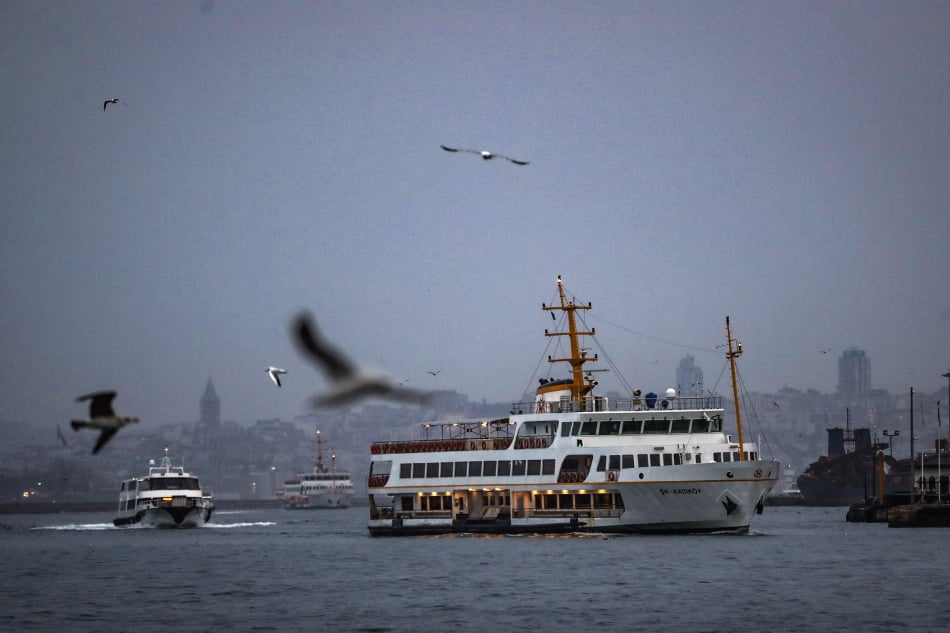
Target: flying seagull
274	373
435	373
113	101
483	154
348	384
101	416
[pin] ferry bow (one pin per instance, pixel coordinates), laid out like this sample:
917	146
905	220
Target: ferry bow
573	461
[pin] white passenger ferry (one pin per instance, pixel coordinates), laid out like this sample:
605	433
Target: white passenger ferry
320	489
167	497
571	461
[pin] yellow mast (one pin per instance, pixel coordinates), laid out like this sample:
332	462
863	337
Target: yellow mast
732	354
578	357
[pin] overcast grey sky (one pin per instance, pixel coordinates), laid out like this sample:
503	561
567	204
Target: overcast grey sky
783	163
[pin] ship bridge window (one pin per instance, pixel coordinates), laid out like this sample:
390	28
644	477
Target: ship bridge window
680	426
654	459
643	460
534	466
575	428
504	467
667	459
602	463
700	426
656	426
461	469
474	469
547	466
631	427
610	427
432	469
589	428
418	470
614	462
405	471
174	483
518	467
446	469
566	430
627	461
490	468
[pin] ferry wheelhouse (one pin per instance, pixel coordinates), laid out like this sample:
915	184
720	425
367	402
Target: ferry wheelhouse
167	497
573	461
320	489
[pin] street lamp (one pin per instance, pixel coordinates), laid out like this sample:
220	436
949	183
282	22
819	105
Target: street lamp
890	438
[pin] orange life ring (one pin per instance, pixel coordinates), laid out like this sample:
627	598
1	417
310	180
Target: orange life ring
612	476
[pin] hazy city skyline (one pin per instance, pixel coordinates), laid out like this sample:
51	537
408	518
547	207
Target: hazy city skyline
782	163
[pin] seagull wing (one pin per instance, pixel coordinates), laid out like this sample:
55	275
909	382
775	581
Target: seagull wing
330	360
104	437
513	160
100	405
460	149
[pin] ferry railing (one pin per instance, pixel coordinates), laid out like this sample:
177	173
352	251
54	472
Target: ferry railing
597	404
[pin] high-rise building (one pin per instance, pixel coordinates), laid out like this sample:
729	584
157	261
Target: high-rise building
854	373
689	377
210	419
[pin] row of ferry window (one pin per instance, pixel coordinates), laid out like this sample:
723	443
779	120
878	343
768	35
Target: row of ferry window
162	483
645	460
641	427
519	467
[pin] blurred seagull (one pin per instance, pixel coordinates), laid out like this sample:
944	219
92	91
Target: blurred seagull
483	154
274	373
347	383
101	416
436	372
113	101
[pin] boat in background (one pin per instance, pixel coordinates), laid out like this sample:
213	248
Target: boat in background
573	461
168	497
320	489
846	475
789	495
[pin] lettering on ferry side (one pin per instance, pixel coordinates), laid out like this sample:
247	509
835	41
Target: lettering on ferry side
681	491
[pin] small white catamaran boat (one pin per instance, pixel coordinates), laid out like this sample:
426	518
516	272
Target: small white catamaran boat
570	461
168	497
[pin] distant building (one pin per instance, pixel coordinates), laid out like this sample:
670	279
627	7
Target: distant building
689	377
854	374
210	419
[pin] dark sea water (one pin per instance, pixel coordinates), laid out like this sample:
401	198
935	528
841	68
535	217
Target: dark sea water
801	569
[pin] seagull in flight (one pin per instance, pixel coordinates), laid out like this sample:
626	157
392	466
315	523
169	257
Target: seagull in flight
485	155
274	373
101	416
436	372
347	383
113	101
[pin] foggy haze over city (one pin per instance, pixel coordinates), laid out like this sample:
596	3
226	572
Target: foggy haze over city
782	163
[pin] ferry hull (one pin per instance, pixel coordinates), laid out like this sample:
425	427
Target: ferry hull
166	518
722	498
